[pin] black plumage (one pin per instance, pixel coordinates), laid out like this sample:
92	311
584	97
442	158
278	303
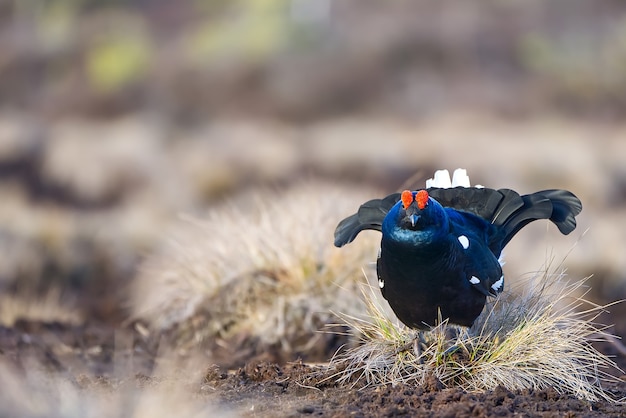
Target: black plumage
440	246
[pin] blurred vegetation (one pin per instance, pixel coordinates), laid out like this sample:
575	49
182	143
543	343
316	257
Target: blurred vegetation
305	59
115	62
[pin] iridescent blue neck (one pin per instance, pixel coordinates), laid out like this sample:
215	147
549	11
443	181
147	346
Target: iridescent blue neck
433	226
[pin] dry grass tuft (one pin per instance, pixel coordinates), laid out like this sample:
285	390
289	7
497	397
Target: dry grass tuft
260	267
537	338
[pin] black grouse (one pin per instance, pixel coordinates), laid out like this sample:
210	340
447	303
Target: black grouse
440	245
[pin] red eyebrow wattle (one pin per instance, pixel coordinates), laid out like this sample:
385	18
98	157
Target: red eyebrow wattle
421	198
407	198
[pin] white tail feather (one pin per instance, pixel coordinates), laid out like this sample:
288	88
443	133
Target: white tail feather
441	179
460	178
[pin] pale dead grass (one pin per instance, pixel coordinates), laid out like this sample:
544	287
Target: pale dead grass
262	265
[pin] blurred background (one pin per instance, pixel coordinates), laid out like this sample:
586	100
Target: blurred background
117	116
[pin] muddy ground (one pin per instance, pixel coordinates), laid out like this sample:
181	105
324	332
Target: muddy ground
100	358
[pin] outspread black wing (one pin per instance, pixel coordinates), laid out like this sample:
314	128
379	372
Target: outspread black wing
559	206
565	207
369	216
504	208
509	211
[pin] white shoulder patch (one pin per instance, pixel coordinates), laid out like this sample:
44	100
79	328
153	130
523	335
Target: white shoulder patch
497	285
381	283
464	241
474	280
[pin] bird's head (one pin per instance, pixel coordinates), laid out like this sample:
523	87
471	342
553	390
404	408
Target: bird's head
413	207
418	214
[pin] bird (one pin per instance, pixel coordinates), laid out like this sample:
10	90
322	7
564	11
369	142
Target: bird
439	256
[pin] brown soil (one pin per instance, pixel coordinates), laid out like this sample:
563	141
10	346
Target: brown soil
91	356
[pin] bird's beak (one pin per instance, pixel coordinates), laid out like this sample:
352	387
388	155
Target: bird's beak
414	219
